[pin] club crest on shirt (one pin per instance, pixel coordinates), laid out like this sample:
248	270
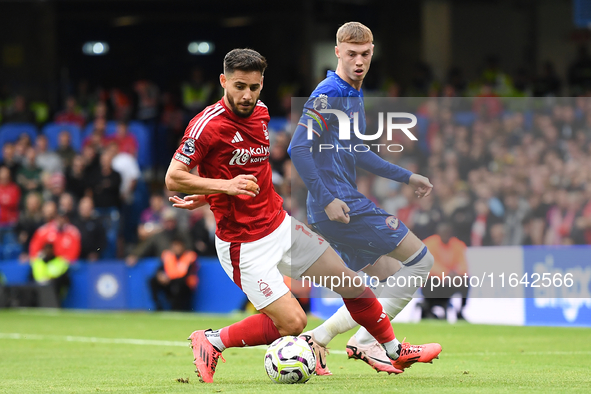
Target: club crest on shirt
189	147
392	222
265	131
321	102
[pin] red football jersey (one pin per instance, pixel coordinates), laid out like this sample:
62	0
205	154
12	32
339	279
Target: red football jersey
225	145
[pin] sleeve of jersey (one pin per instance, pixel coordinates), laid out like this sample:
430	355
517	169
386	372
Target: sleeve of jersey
373	163
302	159
194	147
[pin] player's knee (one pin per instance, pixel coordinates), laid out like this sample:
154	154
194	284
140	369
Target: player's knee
428	260
294	324
424	265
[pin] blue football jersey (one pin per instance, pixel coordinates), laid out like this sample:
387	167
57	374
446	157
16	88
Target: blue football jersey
336	165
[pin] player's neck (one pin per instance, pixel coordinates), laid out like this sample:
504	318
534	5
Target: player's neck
227	103
354	84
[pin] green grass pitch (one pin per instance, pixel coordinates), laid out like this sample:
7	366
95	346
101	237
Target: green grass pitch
44	351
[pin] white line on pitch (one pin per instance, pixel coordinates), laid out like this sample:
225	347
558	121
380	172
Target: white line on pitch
155	342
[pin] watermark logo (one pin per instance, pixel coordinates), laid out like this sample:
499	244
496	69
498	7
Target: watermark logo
388	122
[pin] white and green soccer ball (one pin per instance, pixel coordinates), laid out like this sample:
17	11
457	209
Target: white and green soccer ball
290	360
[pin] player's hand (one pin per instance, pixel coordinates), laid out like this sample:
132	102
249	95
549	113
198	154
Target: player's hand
191	202
421	185
337	211
243	184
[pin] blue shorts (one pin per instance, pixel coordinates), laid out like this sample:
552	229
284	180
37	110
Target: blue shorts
365	238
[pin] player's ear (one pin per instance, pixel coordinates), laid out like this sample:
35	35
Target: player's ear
223	80
336	51
262	79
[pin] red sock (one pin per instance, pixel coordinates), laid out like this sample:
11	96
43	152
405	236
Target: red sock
254	330
367	311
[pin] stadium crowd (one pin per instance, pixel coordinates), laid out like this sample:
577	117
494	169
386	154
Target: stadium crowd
506	171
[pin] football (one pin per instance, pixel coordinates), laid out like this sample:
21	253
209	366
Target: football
290	360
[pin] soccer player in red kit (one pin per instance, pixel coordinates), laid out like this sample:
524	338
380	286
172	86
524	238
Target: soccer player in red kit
256	240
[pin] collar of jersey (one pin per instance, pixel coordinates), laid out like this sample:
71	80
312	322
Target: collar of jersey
333	74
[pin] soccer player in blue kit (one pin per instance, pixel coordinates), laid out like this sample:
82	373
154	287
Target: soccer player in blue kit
368	238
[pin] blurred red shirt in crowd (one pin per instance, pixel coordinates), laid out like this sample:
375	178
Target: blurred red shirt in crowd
64	237
10	196
126	141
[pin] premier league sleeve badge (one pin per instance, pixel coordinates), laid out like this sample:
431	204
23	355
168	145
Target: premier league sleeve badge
189	147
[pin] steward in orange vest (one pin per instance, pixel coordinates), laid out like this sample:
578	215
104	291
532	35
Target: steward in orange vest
176	278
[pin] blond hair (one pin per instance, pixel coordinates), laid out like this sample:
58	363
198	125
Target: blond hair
354	33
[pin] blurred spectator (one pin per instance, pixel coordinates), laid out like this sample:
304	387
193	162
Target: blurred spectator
85	98
67	205
515	212
583	222
173	120
463	217
29	175
9	160
51	269
497	235
561	218
105	184
159	242
487	104
98	137
126	141
64	149
196	92
493	76
278	156
92	161
47	160
424	220
49	211
147	105
203	232
100	110
30	219
18	112
71	114
127	166
76	182
151	221
54	185
450	260
480	226
92	233
21	146
176	277
121	104
10	195
59	232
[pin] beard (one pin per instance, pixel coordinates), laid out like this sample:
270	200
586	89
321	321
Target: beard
239	112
